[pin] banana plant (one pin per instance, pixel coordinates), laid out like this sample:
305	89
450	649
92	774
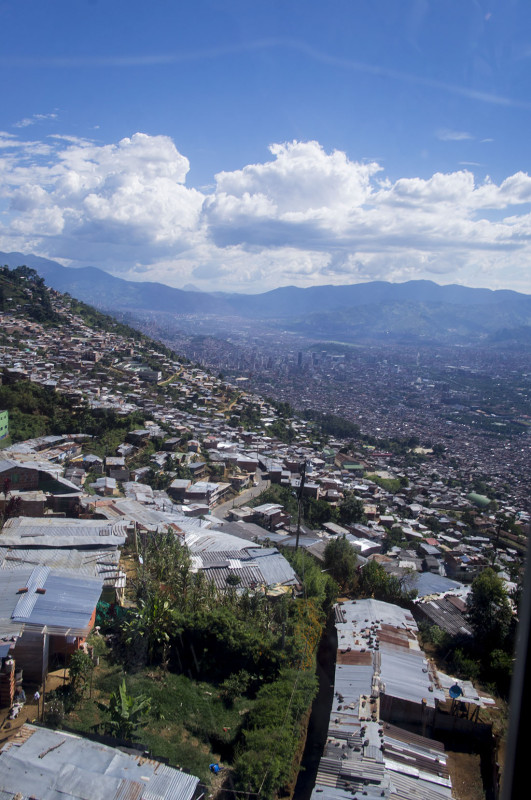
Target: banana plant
126	713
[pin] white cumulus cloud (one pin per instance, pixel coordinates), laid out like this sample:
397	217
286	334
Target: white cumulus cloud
104	199
302	216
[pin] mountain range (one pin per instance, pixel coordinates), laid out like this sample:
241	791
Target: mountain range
410	312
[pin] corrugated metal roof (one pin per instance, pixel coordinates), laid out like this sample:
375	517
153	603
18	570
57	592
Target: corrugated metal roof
254	567
249	577
67	603
377	642
202	541
249	531
27	600
470	693
274	567
444	613
406	676
304	541
91	563
394	732
149	517
170	784
9	796
427	583
411	787
79	783
18	532
53	765
354	657
10	583
217	557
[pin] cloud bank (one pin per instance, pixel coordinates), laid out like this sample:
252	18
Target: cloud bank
304	216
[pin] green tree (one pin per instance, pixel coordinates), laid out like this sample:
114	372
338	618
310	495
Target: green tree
340	560
166	557
183	473
282	431
278	494
157	479
317	512
393	538
469	518
501	665
375	582
126	713
469	668
80	669
489	611
316	584
351	509
167	562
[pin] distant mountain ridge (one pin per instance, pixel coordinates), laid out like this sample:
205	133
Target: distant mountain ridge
415	310
102	290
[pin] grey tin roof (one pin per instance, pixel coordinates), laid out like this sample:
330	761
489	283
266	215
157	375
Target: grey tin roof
208	541
53	765
66	605
273	566
377	641
54	532
442	612
87	563
427	583
254	567
250	576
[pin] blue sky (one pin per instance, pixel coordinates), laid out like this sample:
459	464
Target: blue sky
247	145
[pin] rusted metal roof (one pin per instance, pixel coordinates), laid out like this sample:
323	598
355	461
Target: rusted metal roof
354	657
396	637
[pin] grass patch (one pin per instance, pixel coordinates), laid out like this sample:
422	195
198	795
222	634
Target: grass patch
84	717
392	485
189	724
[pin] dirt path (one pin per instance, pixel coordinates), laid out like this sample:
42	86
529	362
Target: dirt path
30	711
465	772
171	378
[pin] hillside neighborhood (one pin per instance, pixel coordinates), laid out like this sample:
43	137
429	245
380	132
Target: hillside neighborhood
111	442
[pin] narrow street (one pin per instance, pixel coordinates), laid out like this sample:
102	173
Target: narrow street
222	511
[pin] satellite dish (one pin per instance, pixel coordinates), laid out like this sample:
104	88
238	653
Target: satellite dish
455	691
